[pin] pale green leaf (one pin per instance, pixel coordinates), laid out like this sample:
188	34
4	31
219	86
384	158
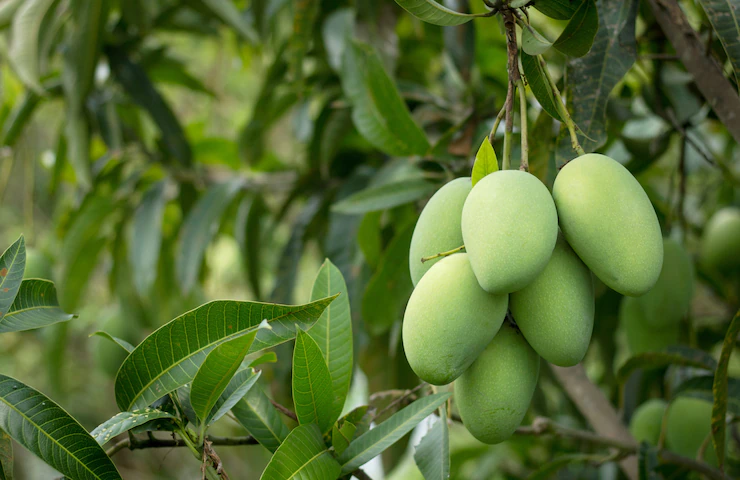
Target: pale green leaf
24	41
533	43
385	196
312	389
302	456
35	306
342	436
432	12
720	389
260	418
146	239
7	12
125	421
432	455
485	161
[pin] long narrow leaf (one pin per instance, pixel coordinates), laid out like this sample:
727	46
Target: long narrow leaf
235	391
35	306
12	266
146	239
302	455
432	456
260	418
432	12
125	421
24	42
312	392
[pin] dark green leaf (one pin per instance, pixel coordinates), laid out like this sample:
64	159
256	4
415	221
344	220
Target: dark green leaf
485	161
261	358
578	36
558	9
432	455
235	391
12	266
249	235
537	80
723	15
6	457
259	417
312	389
125	421
385	196
542	152
341	437
35	306
174	72
146	239
675	355
432	12
118	341
302	455
19	118
720	390
24	52
369	238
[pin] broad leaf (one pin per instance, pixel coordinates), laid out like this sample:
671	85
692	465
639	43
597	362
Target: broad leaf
578	36
432	12
12	266
333	331
239	385
35	306
720	389
24	41
225	11
432	455
375	441
700	386
125	421
312	389
260	418
6	456
723	15
378	111
170	357
118	341
302	455
541	88
558	9
675	355
146	239
385	196
485	161
533	43
45	429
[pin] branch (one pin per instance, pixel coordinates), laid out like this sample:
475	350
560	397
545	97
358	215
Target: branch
153	442
284	410
514	79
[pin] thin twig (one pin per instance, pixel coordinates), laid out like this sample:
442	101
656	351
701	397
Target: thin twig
513	71
361	475
523	121
564	114
443	254
284	410
499	117
177	442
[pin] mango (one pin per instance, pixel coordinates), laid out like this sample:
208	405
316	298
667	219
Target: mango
556	311
669	300
509	225
647	421
493	395
688	423
449	321
720	243
438	228
609	221
640	337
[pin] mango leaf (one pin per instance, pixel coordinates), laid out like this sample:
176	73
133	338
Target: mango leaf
385	196
432	455
260	358
378	111
304	18
376	440
35	306
723	15
540	86
533	43
720	390
674	355
19	118
260	418
558	9
302	455
239	385
248	233
434	13
7	11
226	11
118	341
342	436
337	34
333	331
700	386
24	41
125	421
77	134
216	372
172	71
578	36
169	358
6	457
198	230
485	161
312	392
46	430
12	266
146	239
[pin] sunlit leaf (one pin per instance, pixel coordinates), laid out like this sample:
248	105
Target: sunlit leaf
302	455
125	421
35	306
312	389
485	161
432	455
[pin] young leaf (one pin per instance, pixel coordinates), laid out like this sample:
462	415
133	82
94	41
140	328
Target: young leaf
169	358
302	455
675	355
558	9
432	12
720	390
375	441
35	306
537	80
12	266
216	372
723	15
485	161
260	418
45	429
578	36
385	196
6	457
432	455
533	43
341	437
118	341
333	331
146	239
125	421
239	385
24	41
312	389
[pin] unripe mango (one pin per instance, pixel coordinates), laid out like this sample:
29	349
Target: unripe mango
493	395
720	243
688	423
509	225
607	218
670	299
556	311
438	228
449	321
640	337
647	421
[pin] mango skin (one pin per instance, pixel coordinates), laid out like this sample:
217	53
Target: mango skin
556	311
509	225
609	221
720	243
438	228
493	395
449	321
669	300
640	337
688	423
647	421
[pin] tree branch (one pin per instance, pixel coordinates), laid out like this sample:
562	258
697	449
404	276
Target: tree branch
514	78
284	410
153	442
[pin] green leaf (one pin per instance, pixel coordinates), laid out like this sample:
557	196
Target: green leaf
333	331
45	429
558	9
701	386
125	421
720	390
578	36
537	80
6	457
378	111
385	196
24	41
647	460
434	13
173	71
375	441
235	391
226	11
302	455
118	341
7	12
369	238
19	118
337	34
675	355
304	18
432	455
261	358
312	390
12	266
198	230
248	233
533	43
341	437
146	239
260	418
485	161
35	306
723	15
77	134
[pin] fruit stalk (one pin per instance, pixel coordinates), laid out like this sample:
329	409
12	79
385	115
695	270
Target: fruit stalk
562	109
443	254
523	120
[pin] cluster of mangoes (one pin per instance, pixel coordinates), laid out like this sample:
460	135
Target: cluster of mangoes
523	289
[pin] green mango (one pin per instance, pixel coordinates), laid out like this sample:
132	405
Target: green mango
669	300
640	337
556	311
688	423
38	264
647	421
609	221
438	228
720	242
449	321
509	225
493	395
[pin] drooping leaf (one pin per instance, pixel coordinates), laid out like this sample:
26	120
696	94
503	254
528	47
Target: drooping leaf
537	80
674	355
533	43
226	11
385	196
723	15
260	418
378	111
239	385
485	161
19	118
558	9
125	421
146	239
6	456
720	390
46	430
432	455
24	52
372	443
118	341
249	236
700	386
337	34
312	390
432	12
578	36
35	306
12	266
342	436
302	455
169	358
